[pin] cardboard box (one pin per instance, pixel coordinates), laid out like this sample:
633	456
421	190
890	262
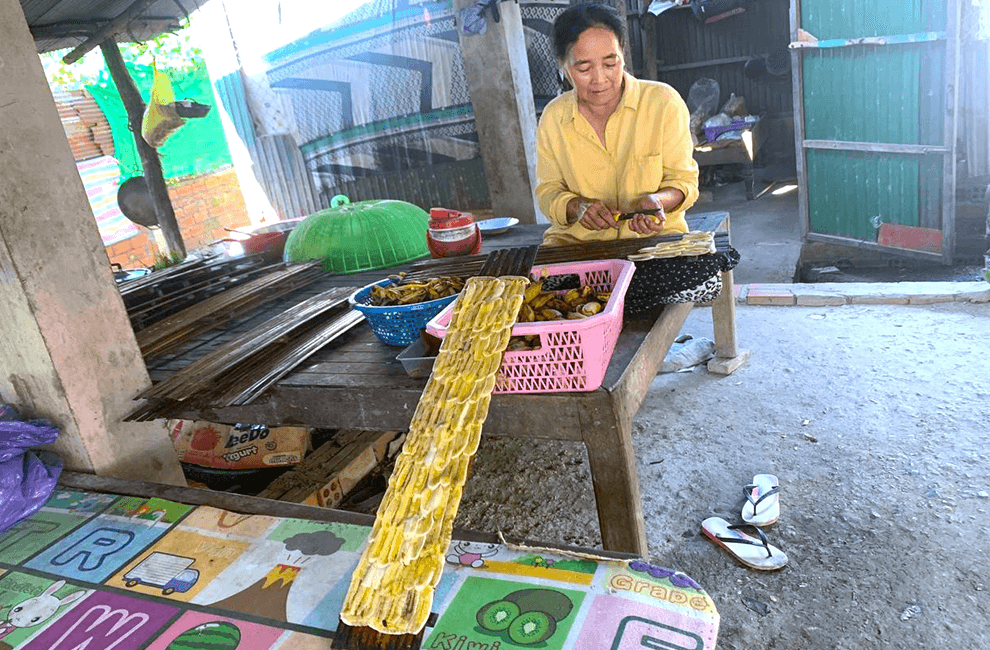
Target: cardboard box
333	470
350	467
241	446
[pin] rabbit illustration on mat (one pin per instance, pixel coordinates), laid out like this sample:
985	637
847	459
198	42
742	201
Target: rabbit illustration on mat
37	610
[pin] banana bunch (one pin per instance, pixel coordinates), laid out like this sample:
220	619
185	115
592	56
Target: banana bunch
694	243
539	305
411	293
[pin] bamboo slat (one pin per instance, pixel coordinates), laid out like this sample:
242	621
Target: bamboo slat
162	293
216	310
242	369
510	261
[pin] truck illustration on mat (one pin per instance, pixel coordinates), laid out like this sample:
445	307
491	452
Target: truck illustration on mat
527	616
170	573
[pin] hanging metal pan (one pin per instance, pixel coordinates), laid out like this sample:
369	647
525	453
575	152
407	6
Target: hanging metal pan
135	202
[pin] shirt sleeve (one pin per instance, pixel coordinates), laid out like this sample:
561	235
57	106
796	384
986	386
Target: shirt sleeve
552	192
680	170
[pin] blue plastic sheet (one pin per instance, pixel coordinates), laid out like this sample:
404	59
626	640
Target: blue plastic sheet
27	478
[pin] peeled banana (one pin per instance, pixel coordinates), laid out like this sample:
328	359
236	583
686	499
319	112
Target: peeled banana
410	293
693	243
392	586
540	306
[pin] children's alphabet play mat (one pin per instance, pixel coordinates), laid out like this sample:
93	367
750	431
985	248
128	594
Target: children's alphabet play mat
95	571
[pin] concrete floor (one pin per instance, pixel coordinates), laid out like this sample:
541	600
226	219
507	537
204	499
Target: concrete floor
873	417
765	231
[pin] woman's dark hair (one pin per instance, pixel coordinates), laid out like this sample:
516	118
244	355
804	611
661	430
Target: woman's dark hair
577	18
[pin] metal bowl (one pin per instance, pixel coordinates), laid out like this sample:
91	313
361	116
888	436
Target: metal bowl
497	226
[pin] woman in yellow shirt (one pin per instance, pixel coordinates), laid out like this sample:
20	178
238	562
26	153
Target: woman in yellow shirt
612	144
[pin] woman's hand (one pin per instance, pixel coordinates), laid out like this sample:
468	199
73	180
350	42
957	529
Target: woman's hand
593	215
648	224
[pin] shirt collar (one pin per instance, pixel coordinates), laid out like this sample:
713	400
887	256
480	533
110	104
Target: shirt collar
630	98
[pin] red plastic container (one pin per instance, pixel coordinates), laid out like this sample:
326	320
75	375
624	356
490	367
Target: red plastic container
452	233
268	239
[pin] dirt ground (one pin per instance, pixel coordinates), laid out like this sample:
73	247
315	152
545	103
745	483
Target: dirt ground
875	418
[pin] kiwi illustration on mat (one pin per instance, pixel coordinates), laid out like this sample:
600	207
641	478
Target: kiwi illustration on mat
528	616
532	627
496	616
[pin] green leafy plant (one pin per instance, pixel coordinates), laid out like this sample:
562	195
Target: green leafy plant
165	260
174	51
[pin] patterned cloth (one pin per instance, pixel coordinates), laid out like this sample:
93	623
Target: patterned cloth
99	177
677	279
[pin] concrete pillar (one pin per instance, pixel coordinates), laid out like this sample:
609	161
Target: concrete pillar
67	351
497	72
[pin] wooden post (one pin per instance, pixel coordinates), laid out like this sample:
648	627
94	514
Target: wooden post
150	162
620	6
650	47
497	74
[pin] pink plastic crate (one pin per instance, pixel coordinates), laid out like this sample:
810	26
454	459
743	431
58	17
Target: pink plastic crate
573	354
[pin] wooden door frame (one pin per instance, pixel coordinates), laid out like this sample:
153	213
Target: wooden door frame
947	149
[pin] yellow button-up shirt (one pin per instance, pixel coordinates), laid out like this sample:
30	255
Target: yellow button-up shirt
647	148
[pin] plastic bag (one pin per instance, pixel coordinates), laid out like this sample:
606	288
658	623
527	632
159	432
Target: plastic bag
472	19
734	106
718	120
687	352
241	446
698	126
27	478
703	96
703	101
160	119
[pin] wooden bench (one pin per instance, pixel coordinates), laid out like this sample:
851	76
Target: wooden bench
360	385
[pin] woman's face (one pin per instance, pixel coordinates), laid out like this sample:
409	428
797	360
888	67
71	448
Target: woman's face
596	67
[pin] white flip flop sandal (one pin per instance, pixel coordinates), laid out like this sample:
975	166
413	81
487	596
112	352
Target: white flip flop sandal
763	501
749	551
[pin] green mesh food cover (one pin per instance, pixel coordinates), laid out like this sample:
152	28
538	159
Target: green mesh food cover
362	236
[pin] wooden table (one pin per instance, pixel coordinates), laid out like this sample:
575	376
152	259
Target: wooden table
733	152
360	385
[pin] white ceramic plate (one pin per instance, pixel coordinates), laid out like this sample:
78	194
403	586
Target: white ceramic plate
497	226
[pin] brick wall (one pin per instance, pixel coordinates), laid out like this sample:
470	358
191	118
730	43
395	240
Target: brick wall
204	206
86	128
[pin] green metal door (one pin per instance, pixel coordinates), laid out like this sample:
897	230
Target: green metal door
874	99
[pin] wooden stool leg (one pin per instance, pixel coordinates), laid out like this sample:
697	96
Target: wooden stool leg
608	437
727	356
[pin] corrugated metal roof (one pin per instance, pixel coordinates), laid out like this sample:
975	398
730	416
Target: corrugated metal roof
688	50
58	24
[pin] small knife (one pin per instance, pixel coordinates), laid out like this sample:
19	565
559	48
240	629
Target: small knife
630	215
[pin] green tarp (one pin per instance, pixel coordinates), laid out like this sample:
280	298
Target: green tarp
198	147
